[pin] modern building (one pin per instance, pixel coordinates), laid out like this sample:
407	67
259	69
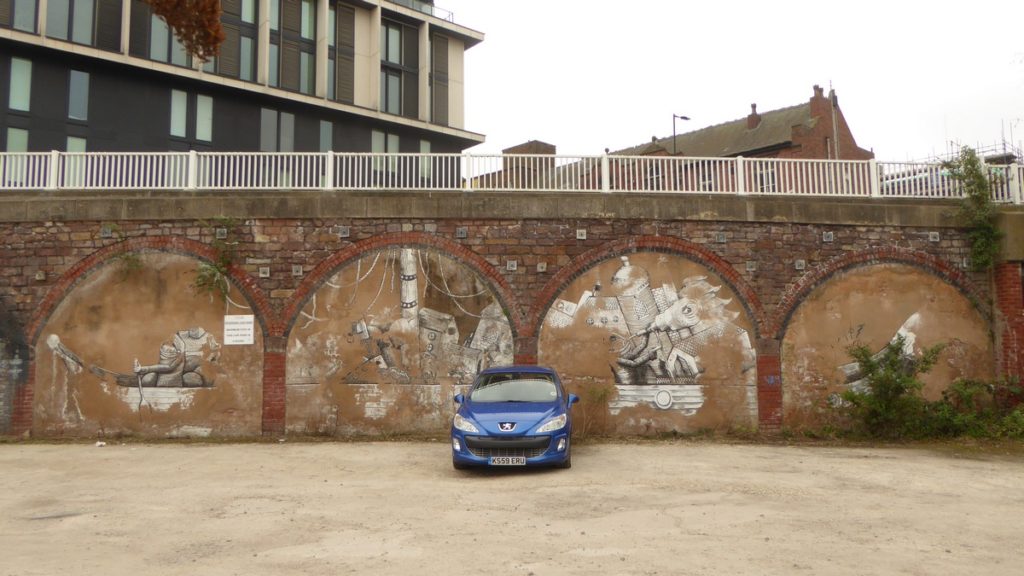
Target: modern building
292	75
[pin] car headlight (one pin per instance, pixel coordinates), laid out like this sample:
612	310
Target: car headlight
556	423
461	423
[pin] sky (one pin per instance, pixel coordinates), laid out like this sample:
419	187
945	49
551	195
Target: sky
912	78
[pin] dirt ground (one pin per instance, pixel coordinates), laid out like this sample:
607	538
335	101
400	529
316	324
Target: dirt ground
399	508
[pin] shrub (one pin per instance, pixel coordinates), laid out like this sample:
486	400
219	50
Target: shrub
890	405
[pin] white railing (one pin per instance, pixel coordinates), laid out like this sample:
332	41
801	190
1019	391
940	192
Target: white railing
504	173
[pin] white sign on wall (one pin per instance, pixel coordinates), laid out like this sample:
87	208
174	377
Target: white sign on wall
239	329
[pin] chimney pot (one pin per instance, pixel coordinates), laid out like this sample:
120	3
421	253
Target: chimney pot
754	119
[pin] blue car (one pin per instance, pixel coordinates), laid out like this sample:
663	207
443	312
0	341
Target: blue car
513	416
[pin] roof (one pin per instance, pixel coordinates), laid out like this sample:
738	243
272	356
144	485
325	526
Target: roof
733	138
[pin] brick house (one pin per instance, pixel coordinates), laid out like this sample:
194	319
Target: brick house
815	129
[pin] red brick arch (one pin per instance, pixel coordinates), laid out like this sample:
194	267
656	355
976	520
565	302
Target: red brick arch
668	244
22	414
171	244
817	276
463	255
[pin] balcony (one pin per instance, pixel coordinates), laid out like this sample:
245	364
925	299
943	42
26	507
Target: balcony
42	171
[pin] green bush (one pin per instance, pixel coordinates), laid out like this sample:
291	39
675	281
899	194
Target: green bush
890	405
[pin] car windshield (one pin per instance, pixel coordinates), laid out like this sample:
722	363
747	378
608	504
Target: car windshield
511	387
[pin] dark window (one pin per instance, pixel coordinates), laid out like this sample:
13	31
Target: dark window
277	131
18	14
20	96
238	52
439	80
151	38
195	107
78	96
293	45
399	63
341	69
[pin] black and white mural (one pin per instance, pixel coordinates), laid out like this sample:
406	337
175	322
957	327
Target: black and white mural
384	341
100	369
663	329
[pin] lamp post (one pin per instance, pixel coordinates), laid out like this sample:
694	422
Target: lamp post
674	116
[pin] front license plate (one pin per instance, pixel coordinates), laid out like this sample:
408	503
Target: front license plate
508	461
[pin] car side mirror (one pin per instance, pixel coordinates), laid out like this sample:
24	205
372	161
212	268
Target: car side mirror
459	398
573	399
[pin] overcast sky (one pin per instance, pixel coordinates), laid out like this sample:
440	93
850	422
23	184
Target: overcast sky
585	75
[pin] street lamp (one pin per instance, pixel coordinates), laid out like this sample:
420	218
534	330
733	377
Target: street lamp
674	116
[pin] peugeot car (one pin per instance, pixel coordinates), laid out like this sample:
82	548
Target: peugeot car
513	416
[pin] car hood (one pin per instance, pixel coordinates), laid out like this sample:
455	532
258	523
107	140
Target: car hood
526	415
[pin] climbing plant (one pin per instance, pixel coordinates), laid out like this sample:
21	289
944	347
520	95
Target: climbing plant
977	211
212	276
128	262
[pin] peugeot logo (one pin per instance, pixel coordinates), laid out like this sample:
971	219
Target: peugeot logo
506	426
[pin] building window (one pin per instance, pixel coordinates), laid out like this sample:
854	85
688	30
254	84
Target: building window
20	96
71	20
204	118
202	114
326	136
75	144
341	53
426	164
164	46
766	178
179	114
238	51
399	63
17	140
439	80
293	45
381	143
78	96
391	91
277	131
24	17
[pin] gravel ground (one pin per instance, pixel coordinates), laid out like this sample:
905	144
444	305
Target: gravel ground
399	508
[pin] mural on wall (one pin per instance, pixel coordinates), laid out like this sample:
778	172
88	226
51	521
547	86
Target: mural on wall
383	342
664	330
872	306
13	367
107	372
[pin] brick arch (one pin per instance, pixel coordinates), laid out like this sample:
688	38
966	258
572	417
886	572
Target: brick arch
171	244
324	270
814	278
668	244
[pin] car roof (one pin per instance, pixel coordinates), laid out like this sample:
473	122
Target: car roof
526	368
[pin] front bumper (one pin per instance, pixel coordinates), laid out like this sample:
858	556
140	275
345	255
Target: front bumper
540	450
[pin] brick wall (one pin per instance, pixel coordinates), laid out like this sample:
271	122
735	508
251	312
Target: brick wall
1009	290
771	264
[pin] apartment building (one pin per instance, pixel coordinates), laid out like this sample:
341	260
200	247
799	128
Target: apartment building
291	76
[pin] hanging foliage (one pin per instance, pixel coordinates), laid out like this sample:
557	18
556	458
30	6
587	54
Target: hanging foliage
977	210
196	23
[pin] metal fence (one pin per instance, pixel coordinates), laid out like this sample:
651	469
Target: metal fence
508	173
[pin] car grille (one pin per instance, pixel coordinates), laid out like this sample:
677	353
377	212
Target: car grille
491	447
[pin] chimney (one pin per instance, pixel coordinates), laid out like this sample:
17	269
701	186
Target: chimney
754	119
